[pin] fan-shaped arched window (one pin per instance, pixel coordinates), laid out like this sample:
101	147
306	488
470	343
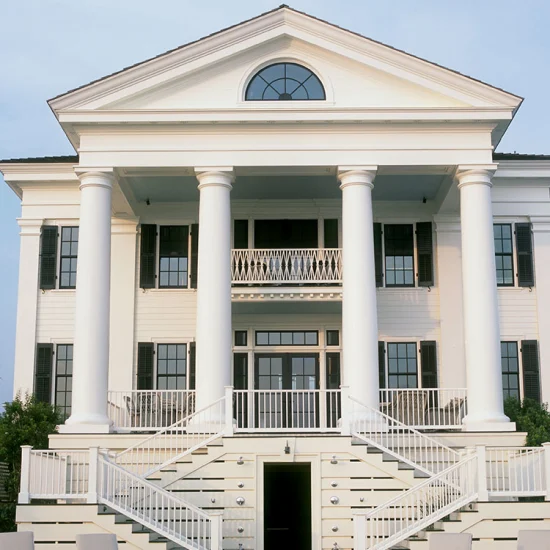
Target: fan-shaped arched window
285	81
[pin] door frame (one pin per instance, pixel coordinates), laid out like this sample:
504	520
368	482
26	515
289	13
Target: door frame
316	493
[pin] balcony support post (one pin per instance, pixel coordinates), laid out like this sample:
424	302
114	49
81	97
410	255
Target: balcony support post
359	314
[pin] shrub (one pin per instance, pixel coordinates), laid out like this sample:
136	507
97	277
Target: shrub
25	421
531	417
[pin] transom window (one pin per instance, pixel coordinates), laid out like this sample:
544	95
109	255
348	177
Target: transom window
172	366
399	248
285	82
510	369
68	256
287	338
174	256
64	379
402	365
504	254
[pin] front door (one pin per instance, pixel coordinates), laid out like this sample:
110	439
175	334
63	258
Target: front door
287	396
287	506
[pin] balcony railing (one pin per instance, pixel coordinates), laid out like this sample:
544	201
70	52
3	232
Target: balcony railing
287	266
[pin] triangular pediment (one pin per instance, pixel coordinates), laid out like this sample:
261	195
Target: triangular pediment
358	74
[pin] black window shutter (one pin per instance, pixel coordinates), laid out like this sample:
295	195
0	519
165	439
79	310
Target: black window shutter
428	361
194	254
331	233
148	256
378	254
48	256
43	373
192	365
145	366
531	371
381	365
524	247
240	371
424	245
240	234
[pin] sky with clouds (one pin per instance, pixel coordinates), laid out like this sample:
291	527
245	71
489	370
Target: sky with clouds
49	47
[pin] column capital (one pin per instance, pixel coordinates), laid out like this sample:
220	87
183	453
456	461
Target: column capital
95	177
222	176
357	175
471	174
30	226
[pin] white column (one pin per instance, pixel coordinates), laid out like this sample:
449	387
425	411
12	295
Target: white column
359	314
91	340
213	332
481	316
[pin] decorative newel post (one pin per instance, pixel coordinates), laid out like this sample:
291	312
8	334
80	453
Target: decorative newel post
92	475
546	447
24	487
482	491
216	529
228	410
359	532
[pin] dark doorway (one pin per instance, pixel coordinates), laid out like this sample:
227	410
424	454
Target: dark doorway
287	506
285	234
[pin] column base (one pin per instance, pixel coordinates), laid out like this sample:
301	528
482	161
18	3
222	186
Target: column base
87	424
499	423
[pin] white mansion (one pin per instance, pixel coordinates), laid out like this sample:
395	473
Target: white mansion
280	296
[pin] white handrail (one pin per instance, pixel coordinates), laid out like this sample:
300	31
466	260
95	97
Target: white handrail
148	410
287	410
156	508
399	440
425	408
418	507
176	441
280	266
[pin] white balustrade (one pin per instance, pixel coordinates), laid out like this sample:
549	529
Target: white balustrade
426	408
149	410
287	410
286	266
516	471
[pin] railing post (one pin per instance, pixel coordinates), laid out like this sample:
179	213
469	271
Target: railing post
546	447
93	459
482	492
345	405
25	484
216	528
228	410
359	532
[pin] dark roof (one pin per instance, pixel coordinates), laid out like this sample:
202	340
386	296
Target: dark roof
73	159
519	156
282	6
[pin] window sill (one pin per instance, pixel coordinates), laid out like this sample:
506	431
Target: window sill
516	288
61	290
406	288
169	290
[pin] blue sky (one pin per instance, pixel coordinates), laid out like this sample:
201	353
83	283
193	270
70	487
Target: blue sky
49	47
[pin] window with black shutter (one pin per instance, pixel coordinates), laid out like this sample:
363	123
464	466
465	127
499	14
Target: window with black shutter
173	256
148	256
381	365
428	363
531	369
377	230
48	256
504	256
524	248
402	365
68	257
399	255
145	366
172	366
64	379
424	247
43	373
194	254
510	369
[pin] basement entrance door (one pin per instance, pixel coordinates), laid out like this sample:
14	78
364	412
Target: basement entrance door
286	396
287	506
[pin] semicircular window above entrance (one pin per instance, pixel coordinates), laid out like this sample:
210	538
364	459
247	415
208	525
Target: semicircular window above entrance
285	82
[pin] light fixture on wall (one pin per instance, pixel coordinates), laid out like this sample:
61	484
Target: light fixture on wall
287	449
334	461
240	462
148	201
424	200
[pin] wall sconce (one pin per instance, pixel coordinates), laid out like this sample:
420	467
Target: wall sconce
239	501
334	528
334	500
333	484
240	529
240	462
334	461
287	449
240	485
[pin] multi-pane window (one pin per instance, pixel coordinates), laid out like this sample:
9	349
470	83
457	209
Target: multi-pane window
241	338
399	255
510	369
402	365
173	256
333	338
64	379
69	254
504	254
172	366
287	338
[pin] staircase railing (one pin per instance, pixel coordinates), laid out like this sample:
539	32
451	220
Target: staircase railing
417	508
399	440
157	509
176	441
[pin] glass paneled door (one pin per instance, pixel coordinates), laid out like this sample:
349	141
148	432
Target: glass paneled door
286	393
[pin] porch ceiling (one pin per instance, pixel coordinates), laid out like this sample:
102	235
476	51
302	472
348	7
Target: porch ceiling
394	187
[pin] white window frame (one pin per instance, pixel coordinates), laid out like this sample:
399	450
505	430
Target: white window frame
515	265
